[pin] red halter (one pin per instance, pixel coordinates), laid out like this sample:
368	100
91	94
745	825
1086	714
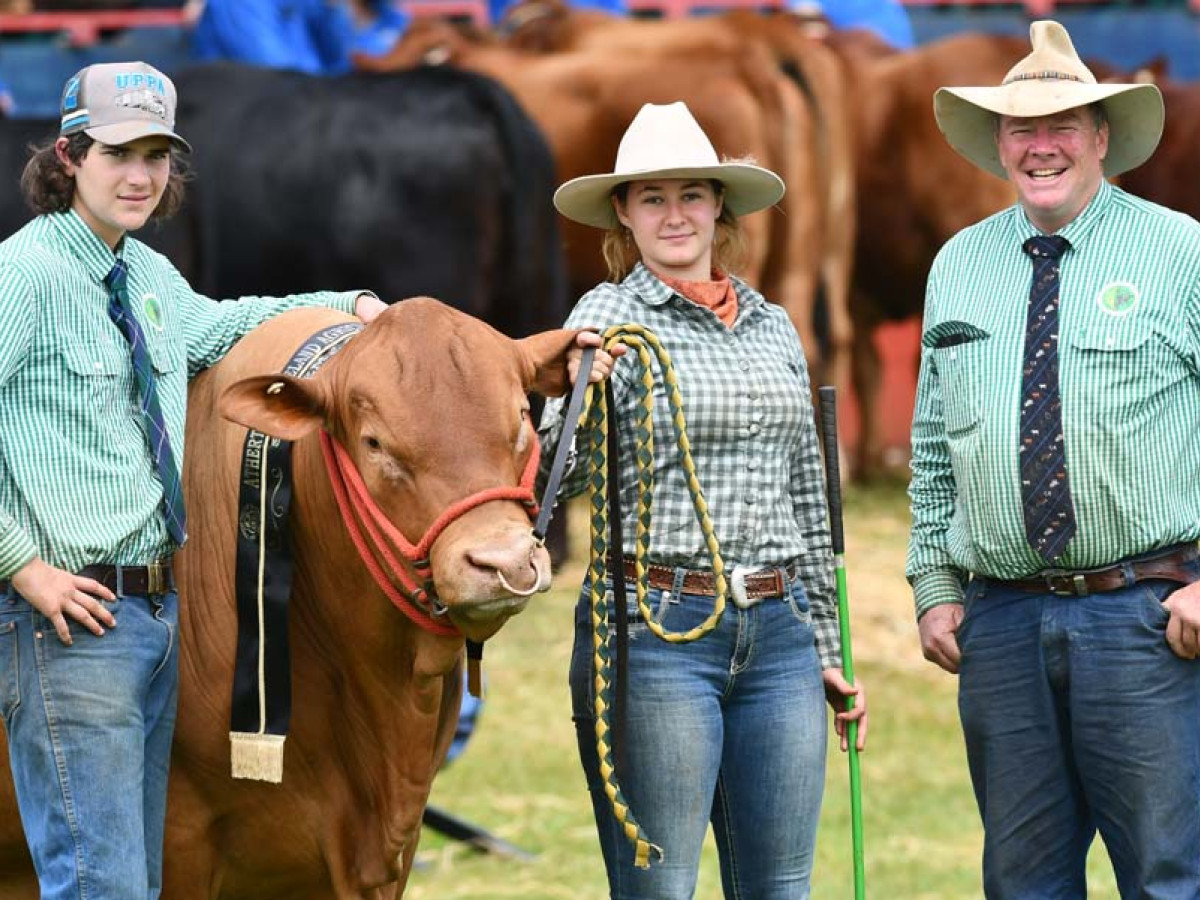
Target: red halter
371	530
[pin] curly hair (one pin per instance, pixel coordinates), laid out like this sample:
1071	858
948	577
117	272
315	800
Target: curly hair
47	188
621	253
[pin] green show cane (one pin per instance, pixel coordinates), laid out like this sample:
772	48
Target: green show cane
833	490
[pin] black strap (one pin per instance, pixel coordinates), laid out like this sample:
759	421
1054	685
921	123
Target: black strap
566	444
265	531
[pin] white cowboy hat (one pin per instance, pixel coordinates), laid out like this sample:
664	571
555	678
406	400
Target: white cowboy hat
1050	80
664	141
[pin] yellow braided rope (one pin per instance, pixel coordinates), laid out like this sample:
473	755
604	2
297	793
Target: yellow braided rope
595	434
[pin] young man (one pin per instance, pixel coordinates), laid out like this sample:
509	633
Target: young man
1055	472
100	337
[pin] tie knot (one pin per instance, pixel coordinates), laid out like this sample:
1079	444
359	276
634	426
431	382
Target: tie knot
1046	246
117	276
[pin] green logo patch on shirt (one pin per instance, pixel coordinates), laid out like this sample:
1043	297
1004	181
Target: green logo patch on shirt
153	311
1118	298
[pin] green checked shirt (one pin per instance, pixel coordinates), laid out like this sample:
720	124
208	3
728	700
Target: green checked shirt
77	482
1129	370
750	422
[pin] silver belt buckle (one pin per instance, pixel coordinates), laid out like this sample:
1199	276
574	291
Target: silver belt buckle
737	587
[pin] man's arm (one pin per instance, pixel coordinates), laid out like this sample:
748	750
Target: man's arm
937	582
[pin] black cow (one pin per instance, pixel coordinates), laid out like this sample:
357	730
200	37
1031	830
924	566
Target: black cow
426	182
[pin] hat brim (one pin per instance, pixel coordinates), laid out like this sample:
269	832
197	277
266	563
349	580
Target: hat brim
966	116
125	132
748	188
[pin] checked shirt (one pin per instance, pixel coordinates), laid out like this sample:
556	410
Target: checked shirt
754	441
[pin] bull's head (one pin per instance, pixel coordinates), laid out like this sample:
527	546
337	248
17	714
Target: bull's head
430	405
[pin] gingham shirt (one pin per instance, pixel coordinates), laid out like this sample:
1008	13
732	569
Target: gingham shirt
77	482
1129	363
750	422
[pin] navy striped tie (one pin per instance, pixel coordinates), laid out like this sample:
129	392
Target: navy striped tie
121	312
1045	488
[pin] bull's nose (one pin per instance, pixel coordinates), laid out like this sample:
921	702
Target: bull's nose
522	570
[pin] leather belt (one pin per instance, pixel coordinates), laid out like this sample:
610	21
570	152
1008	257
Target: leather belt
140	581
1169	566
746	586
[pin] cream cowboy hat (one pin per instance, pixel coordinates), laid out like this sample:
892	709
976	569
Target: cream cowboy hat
664	141
1050	80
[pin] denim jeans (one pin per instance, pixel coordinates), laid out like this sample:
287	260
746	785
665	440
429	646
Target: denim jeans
729	729
89	733
1078	718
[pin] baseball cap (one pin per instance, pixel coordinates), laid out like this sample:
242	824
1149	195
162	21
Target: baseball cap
116	103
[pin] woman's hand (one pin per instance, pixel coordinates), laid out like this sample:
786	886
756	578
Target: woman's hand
837	689
602	365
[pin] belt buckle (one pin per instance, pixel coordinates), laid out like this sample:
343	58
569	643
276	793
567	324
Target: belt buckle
156	578
1078	583
737	587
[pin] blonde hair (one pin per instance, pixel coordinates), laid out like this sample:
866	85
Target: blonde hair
621	254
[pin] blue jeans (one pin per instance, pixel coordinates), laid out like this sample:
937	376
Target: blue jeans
89	733
1078	718
729	729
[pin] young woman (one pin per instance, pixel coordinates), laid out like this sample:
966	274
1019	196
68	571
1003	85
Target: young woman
729	728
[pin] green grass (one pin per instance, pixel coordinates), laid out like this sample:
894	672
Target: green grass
520	777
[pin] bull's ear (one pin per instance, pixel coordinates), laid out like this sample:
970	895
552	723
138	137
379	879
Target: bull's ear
544	358
279	405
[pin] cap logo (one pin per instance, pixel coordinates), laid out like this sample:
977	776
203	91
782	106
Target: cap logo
127	81
146	101
71	95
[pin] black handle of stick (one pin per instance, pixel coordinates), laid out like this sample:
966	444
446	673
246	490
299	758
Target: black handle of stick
833	478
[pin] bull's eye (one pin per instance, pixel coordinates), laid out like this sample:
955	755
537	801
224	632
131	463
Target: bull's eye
372	442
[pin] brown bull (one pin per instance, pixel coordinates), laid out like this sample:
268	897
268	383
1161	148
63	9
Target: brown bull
431	406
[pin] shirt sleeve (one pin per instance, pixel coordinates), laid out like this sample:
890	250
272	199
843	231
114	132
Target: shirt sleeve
18	319
931	571
812	515
211	328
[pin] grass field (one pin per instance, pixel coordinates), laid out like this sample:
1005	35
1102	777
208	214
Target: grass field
520	777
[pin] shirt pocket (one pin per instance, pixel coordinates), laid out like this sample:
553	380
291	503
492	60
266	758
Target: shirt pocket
1125	372
961	372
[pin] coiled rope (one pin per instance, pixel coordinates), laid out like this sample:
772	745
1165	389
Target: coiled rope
594	442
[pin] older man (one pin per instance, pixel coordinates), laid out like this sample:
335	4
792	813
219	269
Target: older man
1056	477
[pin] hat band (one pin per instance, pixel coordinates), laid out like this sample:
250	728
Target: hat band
1045	75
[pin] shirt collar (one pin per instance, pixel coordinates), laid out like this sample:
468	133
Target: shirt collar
653	292
1075	231
81	242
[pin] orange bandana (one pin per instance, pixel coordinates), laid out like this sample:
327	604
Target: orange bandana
716	294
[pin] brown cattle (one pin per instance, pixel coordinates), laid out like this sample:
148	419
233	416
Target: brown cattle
602	70
1169	176
914	191
431	406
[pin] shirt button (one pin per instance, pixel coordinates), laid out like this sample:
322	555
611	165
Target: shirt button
752	464
744	365
99	366
752	396
751	499
754	429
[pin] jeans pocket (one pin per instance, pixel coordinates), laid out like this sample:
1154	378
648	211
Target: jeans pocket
10	670
797	600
